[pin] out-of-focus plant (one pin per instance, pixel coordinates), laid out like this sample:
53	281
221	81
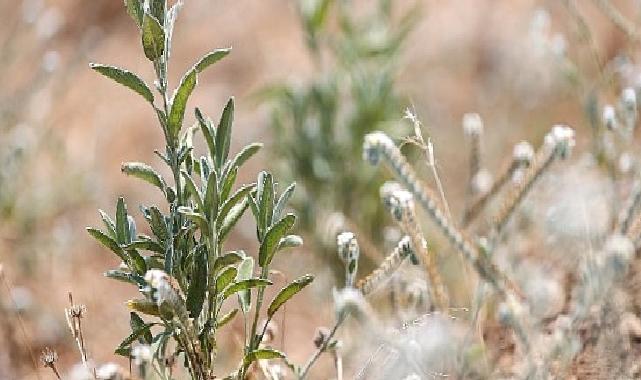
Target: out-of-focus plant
188	278
319	125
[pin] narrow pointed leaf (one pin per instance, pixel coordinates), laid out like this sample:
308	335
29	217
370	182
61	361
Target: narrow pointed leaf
266	200
262	354
134	9
193	190
282	202
211	58
126	78
109	224
127	277
153	37
288	292
197	285
245	272
225	278
211	196
144	172
230	258
236	198
245	285
245	154
223	133
228	182
147	245
122	222
231	219
272	238
157	223
179	103
208	132
107	242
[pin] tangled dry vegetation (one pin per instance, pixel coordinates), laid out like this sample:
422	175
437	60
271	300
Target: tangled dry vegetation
503	291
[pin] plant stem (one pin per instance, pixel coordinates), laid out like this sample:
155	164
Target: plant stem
323	347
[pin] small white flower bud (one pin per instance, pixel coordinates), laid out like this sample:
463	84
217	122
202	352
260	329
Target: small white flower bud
373	144
523	153
472	124
561	138
609	117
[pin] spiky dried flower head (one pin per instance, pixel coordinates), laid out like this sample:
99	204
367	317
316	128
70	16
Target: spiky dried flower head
472	124
609	117
48	357
111	371
561	139
374	145
161	286
523	153
397	200
348	251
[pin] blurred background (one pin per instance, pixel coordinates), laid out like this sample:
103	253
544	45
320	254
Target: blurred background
310	79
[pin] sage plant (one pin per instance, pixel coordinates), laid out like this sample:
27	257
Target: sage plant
185	271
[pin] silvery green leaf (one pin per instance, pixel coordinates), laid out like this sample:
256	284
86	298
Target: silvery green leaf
225	278
211	58
223	133
282	202
179	102
245	154
131	229
211	196
126	78
290	241
147	245
208	132
136	323
153	37
265	200
245	272
195	217
127	277
229	258
262	354
193	190
134	9
288	292
171	22
228	182
122	223
241	285
157	223
198	284
144	172
109	224
107	242
233	200
157	9
272	238
232	217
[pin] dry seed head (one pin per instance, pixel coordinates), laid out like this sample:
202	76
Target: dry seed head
523	153
161	283
48	357
373	146
348	251
561	139
609	117
472	124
